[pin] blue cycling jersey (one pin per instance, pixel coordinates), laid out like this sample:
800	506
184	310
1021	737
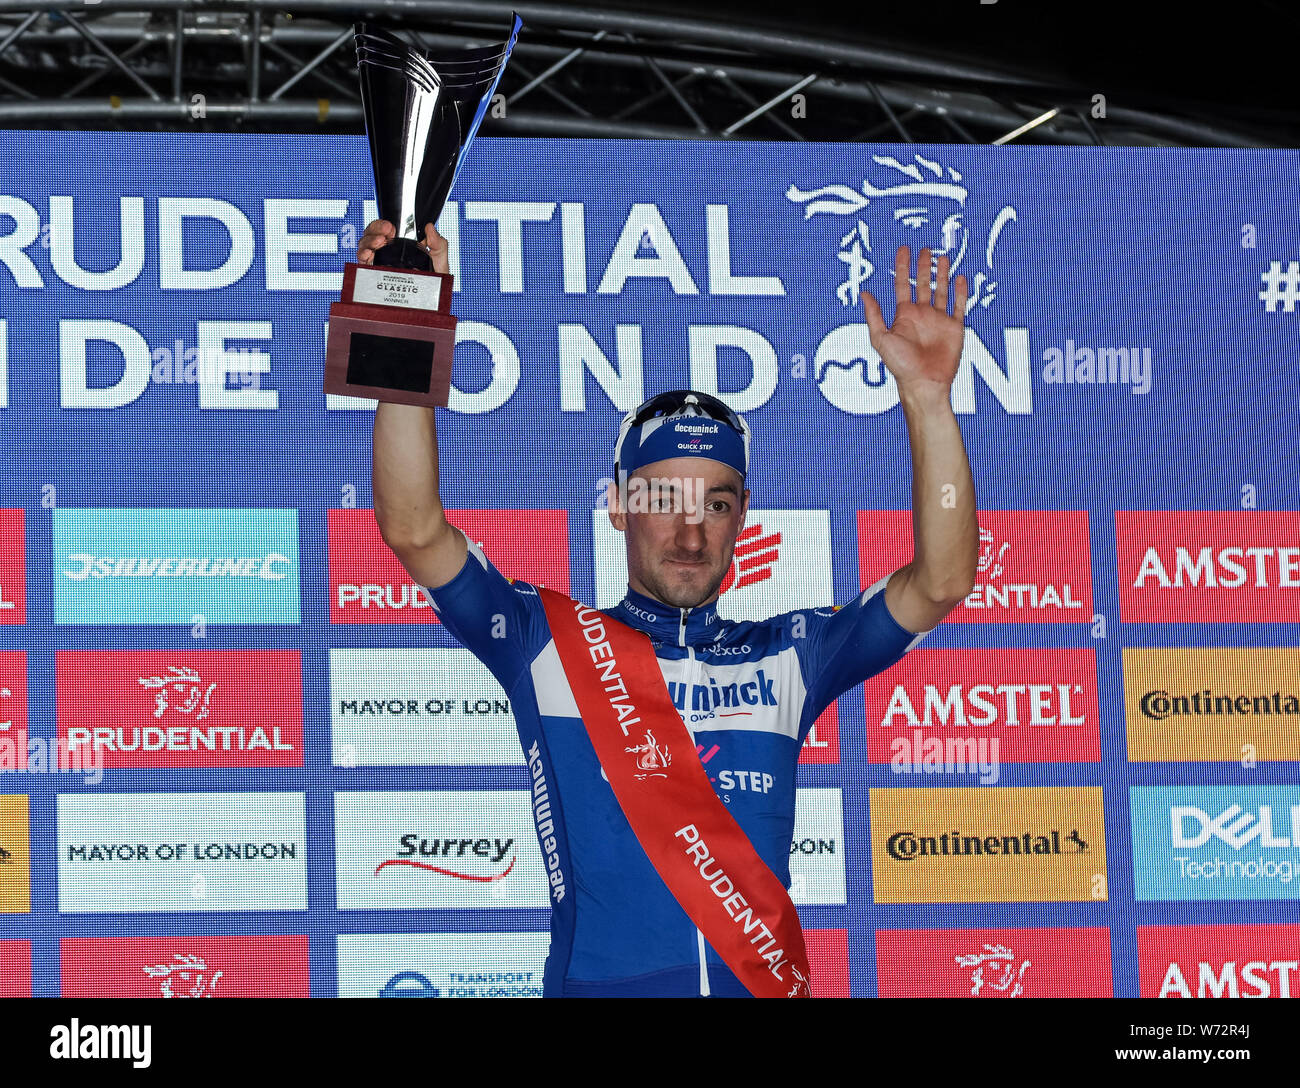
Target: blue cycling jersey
751	689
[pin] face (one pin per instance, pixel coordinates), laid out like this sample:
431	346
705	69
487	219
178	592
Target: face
681	521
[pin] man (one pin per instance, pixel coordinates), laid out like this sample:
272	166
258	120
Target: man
750	690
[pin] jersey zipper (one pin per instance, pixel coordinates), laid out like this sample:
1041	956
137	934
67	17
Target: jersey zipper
690	686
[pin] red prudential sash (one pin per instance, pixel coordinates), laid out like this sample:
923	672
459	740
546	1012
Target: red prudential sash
691	839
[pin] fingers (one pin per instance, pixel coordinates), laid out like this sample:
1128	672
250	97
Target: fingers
902	276
875	319
377	234
381	231
941	284
436	244
959	301
923	277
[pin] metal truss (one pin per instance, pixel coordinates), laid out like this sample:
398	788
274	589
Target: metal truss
577	71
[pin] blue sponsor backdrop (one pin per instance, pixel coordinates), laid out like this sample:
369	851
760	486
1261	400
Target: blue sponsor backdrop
590	274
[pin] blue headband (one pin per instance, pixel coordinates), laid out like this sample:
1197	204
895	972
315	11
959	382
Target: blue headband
682	435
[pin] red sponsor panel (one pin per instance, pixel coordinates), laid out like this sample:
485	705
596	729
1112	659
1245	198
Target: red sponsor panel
1040	705
13	567
1208	567
822	744
181	708
15	968
993	962
1034	565
828	959
1219	961
13	711
369	585
260	966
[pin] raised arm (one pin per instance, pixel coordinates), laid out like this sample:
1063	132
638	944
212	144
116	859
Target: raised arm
922	350
408	508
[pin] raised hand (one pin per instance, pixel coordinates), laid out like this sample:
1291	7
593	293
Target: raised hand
380	231
923	346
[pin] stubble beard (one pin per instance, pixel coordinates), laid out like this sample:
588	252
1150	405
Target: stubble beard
683	595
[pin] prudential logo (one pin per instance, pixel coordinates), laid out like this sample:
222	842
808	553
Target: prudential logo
176	566
1216	842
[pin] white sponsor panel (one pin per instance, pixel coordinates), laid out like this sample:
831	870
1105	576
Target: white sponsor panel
817	848
463	849
782	562
418	707
182	852
441	964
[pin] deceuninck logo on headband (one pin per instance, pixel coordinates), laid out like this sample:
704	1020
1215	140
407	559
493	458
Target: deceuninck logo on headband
171	566
1216	842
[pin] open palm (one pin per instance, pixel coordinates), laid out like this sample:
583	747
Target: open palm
923	346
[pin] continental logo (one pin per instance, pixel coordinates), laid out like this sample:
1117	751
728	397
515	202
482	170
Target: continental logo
1229	705
15	867
1021	845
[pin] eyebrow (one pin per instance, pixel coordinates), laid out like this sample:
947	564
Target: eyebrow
728	487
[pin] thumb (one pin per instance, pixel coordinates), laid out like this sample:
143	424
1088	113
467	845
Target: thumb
875	319
437	248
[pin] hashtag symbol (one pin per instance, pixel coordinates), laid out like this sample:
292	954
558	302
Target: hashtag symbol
1281	286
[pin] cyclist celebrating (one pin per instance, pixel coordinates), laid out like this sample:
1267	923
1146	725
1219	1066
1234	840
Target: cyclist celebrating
663	880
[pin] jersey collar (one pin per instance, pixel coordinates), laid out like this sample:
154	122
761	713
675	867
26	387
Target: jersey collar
664	623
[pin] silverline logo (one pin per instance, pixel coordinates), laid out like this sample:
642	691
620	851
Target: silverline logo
135	566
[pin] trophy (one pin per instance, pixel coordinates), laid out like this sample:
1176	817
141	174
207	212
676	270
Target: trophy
392	334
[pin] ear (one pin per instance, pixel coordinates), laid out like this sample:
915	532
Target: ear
744	508
617	517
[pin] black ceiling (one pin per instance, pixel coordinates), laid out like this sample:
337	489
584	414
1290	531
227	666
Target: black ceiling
1235	61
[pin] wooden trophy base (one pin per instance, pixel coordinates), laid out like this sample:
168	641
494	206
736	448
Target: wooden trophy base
391	337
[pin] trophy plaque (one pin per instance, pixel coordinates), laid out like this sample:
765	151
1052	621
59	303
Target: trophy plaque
392	334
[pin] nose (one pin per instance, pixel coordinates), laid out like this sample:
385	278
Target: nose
690	535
